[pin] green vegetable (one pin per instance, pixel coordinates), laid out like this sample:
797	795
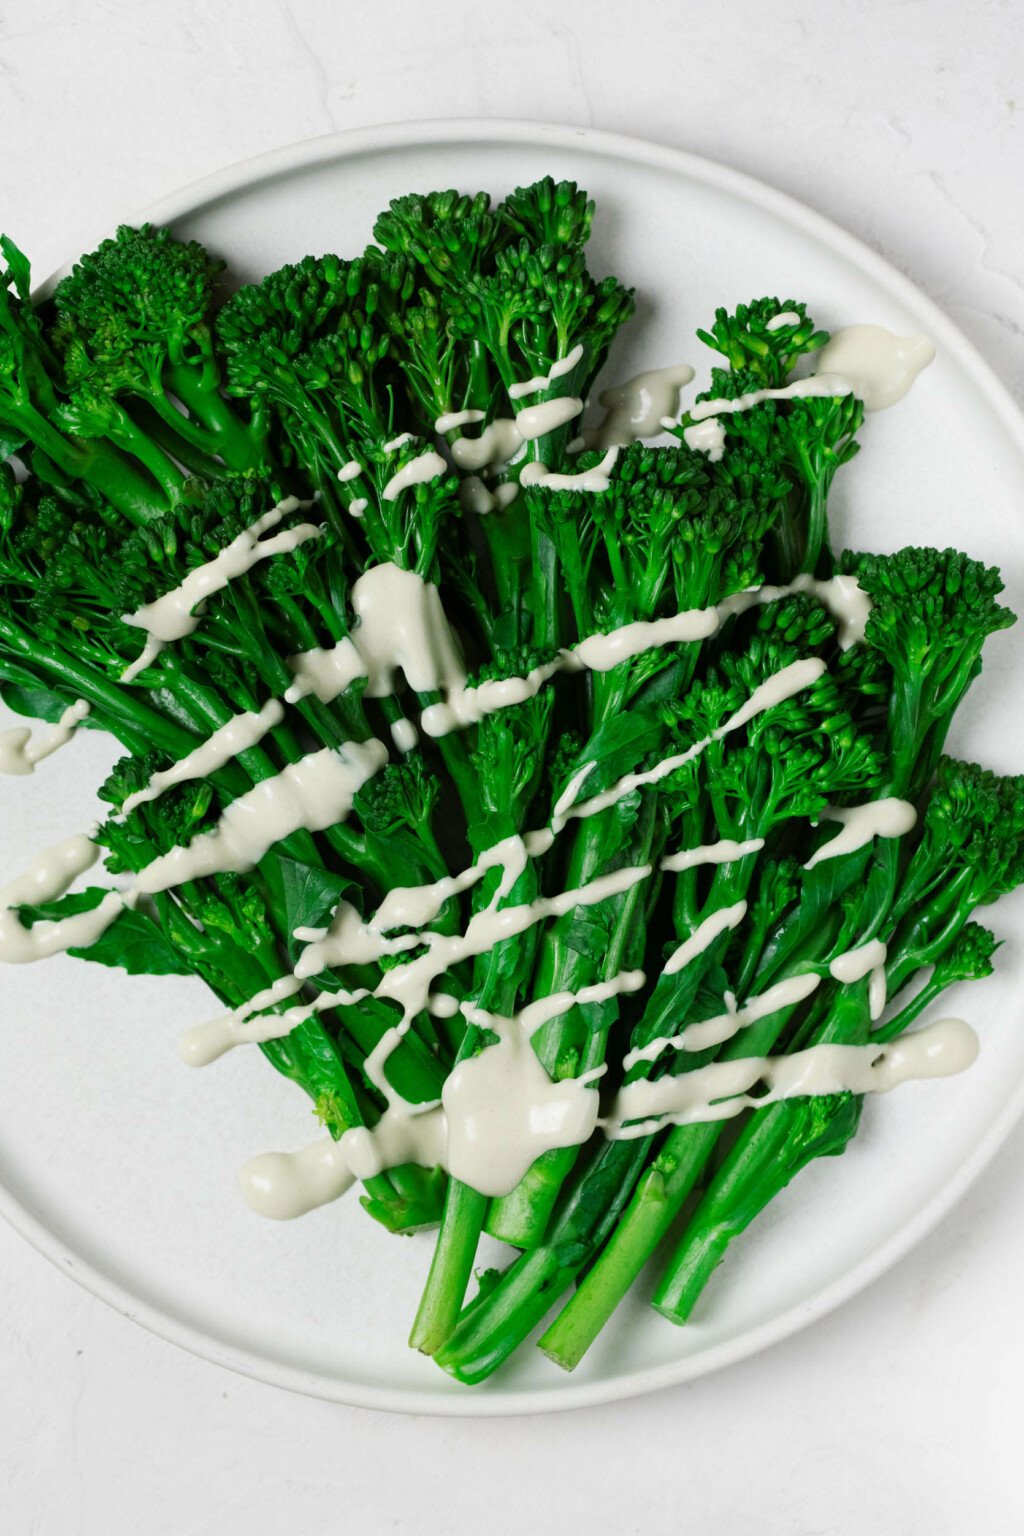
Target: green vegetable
148	423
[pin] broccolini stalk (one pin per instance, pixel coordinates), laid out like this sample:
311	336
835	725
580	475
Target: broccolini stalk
788	769
784	765
31	419
494	1324
960	811
522	309
507	755
591	944
967	957
678	537
985	862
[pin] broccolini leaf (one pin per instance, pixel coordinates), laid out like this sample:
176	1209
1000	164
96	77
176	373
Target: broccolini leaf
37	703
135	942
305	895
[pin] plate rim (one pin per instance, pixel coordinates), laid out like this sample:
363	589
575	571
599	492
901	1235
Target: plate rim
192	198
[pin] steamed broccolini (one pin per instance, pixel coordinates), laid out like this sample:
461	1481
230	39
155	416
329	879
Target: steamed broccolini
683	782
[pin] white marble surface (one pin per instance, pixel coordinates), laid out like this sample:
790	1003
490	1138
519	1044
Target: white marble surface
903	1411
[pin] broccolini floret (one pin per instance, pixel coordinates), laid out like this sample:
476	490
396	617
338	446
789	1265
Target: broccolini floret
134	326
931	613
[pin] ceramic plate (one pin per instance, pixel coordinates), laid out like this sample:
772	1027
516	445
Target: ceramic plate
119	1163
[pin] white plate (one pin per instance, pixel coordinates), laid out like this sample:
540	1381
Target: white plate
119	1163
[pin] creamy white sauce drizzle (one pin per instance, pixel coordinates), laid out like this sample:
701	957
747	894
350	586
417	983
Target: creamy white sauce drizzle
703	437
413	906
146	657
50	876
467	706
855	964
501	1110
398	442
860	824
202	1043
212	1039
844	599
448	421
707	434
350	471
404	735
475	497
500	440
346	941
21	748
840	596
177	613
819	386
727	851
412	1134
537	420
867	960
595	481
324	673
722	1027
283	1185
327	673
881	367
723	1089
311	794
541	381
237	735
358	506
207	1042
704	935
600	653
782	319
409	984
863	360
635	408
426	467
401	627
535	1015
